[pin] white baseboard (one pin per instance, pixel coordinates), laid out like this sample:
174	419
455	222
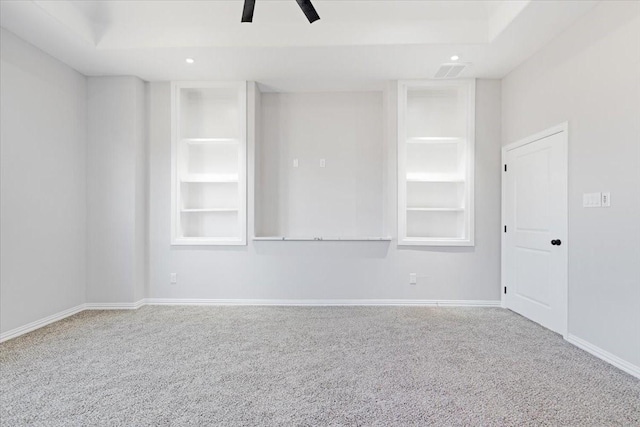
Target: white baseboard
604	355
468	303
323	302
115	305
16	332
13	333
241	302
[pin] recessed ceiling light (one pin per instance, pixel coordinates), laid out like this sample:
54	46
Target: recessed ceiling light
455	57
190	60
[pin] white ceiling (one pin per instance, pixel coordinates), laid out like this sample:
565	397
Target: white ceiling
354	41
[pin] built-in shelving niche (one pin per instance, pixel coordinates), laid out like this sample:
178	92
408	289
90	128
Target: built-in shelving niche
320	163
320	166
435	162
209	163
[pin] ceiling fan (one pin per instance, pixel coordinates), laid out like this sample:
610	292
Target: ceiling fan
305	5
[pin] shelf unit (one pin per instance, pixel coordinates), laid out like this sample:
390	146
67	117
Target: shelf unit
209	163
435	162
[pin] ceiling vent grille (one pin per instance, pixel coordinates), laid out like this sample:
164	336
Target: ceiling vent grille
450	71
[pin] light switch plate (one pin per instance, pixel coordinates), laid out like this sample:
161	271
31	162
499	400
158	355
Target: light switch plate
295	163
606	200
413	278
174	278
592	200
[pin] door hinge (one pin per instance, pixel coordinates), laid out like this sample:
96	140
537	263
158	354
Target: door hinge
505	228
505	168
505	289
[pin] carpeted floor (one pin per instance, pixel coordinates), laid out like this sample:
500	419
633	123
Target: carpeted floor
365	366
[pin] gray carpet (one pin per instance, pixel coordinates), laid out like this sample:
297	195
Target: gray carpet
367	366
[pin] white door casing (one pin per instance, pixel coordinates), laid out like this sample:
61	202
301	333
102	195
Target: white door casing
534	243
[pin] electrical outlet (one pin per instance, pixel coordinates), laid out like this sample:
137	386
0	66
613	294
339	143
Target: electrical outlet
174	279
606	200
413	278
323	163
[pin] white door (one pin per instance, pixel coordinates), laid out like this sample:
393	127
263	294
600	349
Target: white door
535	238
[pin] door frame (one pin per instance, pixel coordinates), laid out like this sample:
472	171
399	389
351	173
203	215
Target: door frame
563	129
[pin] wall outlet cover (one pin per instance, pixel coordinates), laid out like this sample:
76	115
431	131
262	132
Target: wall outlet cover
413	278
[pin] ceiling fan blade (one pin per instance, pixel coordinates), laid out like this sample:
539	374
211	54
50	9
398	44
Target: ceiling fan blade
247	10
308	10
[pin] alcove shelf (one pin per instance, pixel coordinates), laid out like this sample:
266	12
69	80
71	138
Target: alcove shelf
208	163
433	140
323	239
211	178
320	159
435	162
210	210
435	209
210	140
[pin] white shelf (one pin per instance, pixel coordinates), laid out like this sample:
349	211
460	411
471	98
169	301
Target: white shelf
414	177
207	241
198	141
434	241
208	163
209	210
436	162
434	140
210	178
323	239
435	209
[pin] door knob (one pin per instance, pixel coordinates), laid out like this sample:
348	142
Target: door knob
556	242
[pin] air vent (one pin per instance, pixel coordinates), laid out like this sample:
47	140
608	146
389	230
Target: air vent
450	71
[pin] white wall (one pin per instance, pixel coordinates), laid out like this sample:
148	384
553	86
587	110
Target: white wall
327	270
43	221
590	77
344	198
116	190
